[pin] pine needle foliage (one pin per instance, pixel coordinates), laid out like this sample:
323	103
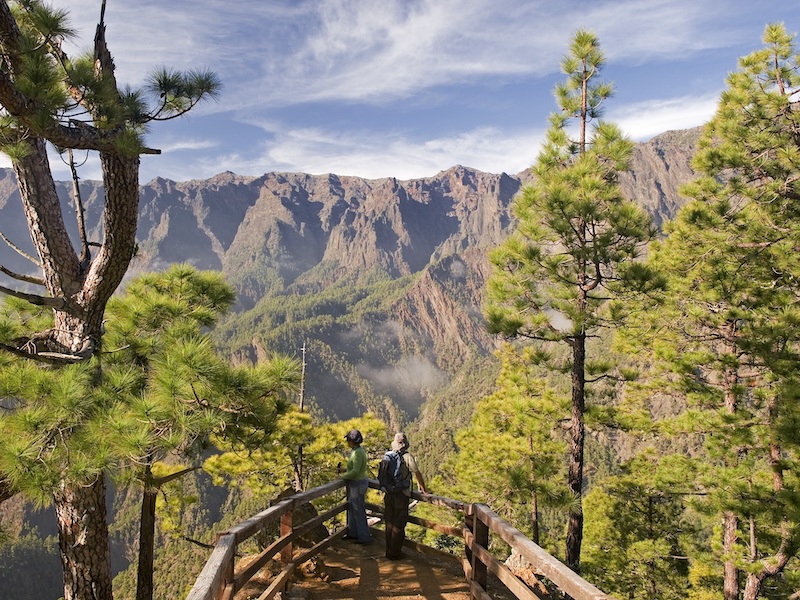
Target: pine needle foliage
157	391
725	333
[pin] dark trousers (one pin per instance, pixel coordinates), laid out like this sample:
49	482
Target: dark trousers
395	515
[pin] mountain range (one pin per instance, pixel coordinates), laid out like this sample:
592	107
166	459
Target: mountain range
377	283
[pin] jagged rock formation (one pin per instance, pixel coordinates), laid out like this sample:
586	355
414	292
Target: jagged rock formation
294	237
658	168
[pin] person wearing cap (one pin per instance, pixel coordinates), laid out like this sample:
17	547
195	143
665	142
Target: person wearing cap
355	474
395	506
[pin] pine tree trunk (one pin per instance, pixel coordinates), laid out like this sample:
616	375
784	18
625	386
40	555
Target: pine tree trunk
83	291
83	540
534	497
730	522
81	295
147	536
576	443
730	585
752	588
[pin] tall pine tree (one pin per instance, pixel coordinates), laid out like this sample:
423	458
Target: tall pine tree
511	453
156	390
76	103
574	245
728	329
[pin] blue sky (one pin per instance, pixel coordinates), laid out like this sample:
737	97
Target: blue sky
407	88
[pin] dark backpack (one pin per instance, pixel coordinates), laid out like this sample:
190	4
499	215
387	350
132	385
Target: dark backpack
393	473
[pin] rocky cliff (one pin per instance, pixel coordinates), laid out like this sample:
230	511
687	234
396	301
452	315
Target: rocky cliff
391	273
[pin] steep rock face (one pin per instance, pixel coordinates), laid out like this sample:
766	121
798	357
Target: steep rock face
658	169
194	221
296	235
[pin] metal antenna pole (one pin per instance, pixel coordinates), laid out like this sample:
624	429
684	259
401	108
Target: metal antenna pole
298	471
303	378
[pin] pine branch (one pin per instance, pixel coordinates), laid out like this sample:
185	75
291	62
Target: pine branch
19	251
198	543
79	213
19	277
19	105
50	358
158	482
35	299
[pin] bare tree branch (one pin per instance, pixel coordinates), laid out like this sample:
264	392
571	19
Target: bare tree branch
79	213
50	358
19	277
35	299
22	253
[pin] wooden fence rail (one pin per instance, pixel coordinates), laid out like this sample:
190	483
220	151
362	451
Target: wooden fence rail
220	580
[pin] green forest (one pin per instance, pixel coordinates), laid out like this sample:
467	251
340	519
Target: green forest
642	420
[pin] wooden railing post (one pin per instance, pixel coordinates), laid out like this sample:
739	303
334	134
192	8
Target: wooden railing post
286	529
480	532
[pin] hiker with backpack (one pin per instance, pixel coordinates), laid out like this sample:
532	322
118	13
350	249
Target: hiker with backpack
394	477
355	474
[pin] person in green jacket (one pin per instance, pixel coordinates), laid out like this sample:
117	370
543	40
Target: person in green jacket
356	476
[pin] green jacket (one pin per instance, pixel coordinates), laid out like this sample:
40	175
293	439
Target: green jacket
356	465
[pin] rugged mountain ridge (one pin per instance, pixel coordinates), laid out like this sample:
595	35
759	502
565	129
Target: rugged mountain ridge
409	259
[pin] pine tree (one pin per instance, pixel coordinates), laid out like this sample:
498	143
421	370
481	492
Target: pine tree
46	96
510	456
177	391
635	531
728	326
157	390
573	249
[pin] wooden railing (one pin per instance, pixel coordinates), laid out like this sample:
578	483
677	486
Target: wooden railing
220	580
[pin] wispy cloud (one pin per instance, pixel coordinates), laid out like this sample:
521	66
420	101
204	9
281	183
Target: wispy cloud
380	50
284	52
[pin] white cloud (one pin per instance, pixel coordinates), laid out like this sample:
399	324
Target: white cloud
186	144
373	154
643	120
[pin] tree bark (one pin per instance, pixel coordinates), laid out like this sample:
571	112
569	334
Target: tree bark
6	491
534	497
576	445
752	588
83	540
730	585
147	536
45	221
